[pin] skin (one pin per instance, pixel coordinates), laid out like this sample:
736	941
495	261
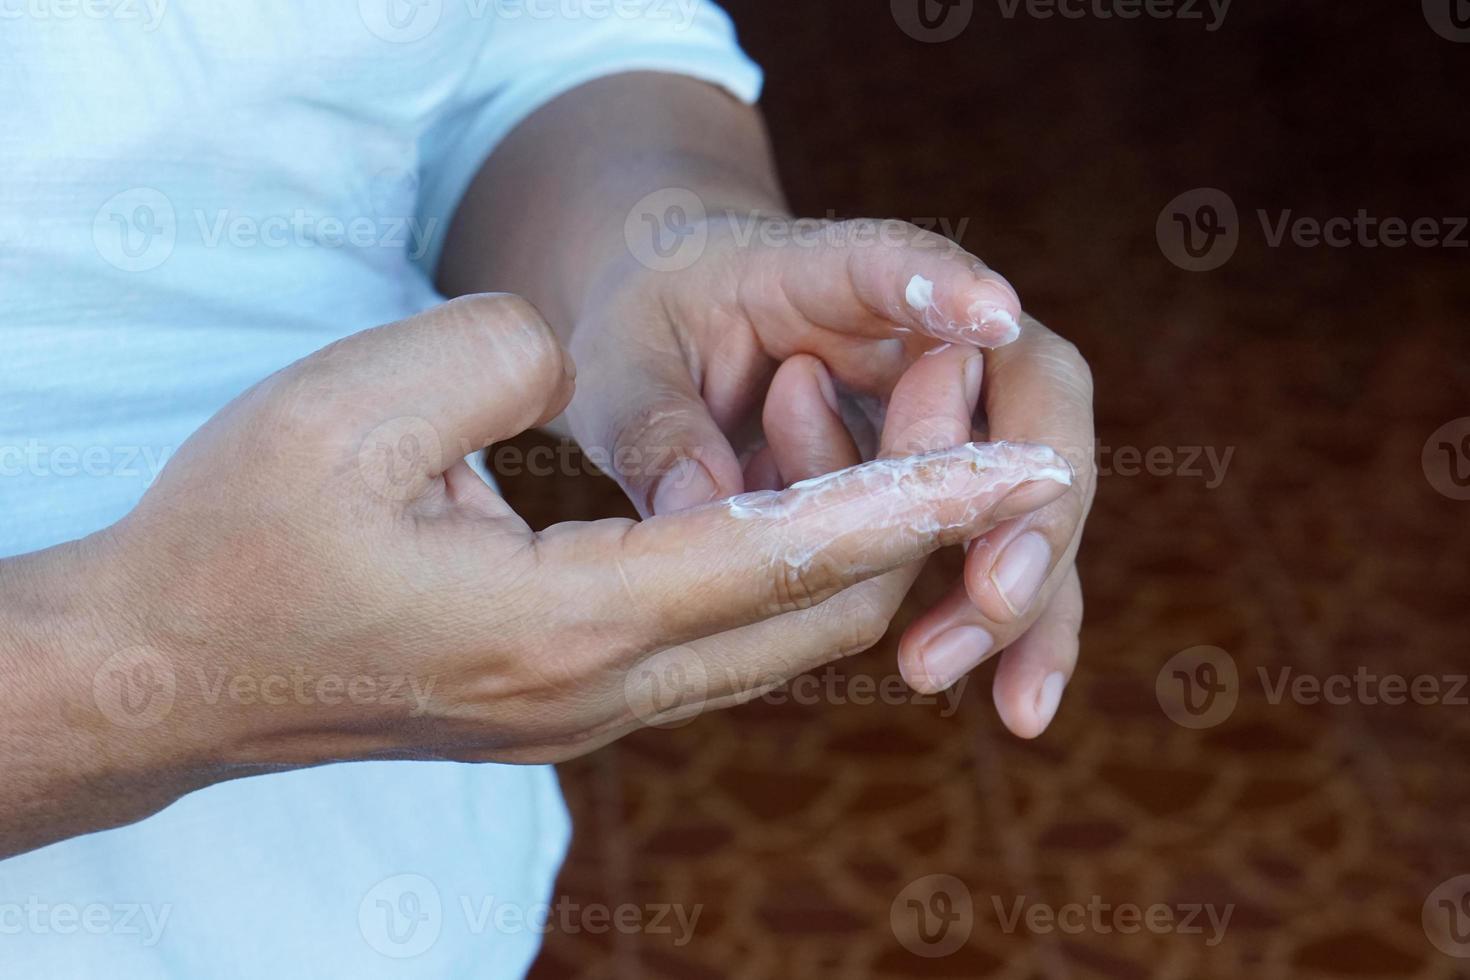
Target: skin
679	365
301	529
325	522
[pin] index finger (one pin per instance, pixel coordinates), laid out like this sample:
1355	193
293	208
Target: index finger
759	555
876	278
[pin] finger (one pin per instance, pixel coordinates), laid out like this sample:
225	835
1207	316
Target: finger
736	665
1037	390
871	278
1034	671
450	381
641	407
931	406
762	554
934	401
953	637
761	472
803	422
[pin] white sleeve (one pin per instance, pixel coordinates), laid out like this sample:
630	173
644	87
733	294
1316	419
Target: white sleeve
536	50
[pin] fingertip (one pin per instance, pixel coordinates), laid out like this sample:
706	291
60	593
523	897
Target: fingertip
802	421
1028	704
992	310
1033	675
1031	496
684	485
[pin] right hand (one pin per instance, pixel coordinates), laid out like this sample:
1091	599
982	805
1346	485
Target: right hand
325	525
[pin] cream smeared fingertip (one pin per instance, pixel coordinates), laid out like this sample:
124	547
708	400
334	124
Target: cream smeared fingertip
992	325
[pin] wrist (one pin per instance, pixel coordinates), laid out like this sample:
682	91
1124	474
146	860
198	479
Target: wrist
81	731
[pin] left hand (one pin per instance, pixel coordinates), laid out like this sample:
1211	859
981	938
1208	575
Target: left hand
676	365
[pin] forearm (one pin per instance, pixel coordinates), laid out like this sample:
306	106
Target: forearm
71	761
545	216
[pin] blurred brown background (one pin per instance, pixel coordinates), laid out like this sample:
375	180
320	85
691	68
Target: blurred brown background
1333	545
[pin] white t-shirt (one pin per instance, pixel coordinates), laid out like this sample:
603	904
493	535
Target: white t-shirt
194	193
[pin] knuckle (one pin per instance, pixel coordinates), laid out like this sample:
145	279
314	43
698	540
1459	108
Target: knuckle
505	325
1073	368
294	412
800	585
861	631
651	431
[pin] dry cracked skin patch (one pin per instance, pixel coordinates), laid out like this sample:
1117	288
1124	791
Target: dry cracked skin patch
901	494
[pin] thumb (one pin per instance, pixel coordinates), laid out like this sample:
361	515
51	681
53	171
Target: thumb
641	412
429	390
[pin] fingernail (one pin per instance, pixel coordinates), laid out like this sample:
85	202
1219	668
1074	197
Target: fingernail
824	384
1049	698
1021	569
954	653
974	371
994	279
687	484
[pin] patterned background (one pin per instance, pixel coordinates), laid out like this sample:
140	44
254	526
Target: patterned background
1325	549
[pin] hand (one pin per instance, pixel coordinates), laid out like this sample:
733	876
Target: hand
676	363
325	524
